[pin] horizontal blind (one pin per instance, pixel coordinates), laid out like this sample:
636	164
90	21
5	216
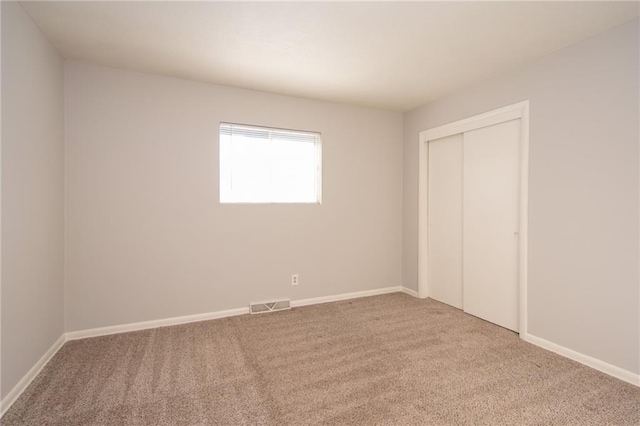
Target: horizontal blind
269	165
267	133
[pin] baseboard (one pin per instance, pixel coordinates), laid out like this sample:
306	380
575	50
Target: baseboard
17	390
145	325
344	296
409	291
612	370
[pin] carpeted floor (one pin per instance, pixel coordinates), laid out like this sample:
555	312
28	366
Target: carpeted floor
383	360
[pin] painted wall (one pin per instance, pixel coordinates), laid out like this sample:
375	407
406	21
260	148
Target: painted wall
146	236
32	195
583	190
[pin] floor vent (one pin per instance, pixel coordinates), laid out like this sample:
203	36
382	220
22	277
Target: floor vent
261	308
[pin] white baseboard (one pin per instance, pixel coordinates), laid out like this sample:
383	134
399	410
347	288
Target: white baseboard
409	291
344	296
17	390
145	325
595	363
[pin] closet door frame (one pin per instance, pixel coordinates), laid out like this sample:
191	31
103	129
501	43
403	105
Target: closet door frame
520	111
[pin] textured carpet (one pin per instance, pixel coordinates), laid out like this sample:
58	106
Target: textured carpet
384	360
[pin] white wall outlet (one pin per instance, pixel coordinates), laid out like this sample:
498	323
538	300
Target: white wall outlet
294	279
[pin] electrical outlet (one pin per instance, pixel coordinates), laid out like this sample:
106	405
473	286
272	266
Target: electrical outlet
294	279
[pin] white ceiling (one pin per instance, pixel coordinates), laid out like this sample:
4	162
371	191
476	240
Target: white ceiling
389	55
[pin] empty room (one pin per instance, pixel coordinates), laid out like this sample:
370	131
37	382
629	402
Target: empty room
306	213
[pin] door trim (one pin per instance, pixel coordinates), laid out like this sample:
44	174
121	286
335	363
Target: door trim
520	111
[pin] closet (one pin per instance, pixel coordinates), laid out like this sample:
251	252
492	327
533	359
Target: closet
473	212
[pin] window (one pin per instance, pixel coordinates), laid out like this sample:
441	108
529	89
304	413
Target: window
264	165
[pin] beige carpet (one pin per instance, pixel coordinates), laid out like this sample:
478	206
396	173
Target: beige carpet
384	360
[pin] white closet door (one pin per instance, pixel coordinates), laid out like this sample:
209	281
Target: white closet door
490	223
445	220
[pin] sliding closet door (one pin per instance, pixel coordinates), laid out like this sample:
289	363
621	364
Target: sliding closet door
490	223
445	220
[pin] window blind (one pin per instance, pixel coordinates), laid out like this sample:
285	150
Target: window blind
269	165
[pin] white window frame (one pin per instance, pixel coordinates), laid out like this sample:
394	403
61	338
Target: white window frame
272	130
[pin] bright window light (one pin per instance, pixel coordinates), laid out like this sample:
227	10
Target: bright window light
264	165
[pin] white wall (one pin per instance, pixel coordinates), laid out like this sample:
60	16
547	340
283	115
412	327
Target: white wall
32	195
583	190
146	235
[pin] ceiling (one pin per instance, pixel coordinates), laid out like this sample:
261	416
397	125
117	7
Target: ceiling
391	55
